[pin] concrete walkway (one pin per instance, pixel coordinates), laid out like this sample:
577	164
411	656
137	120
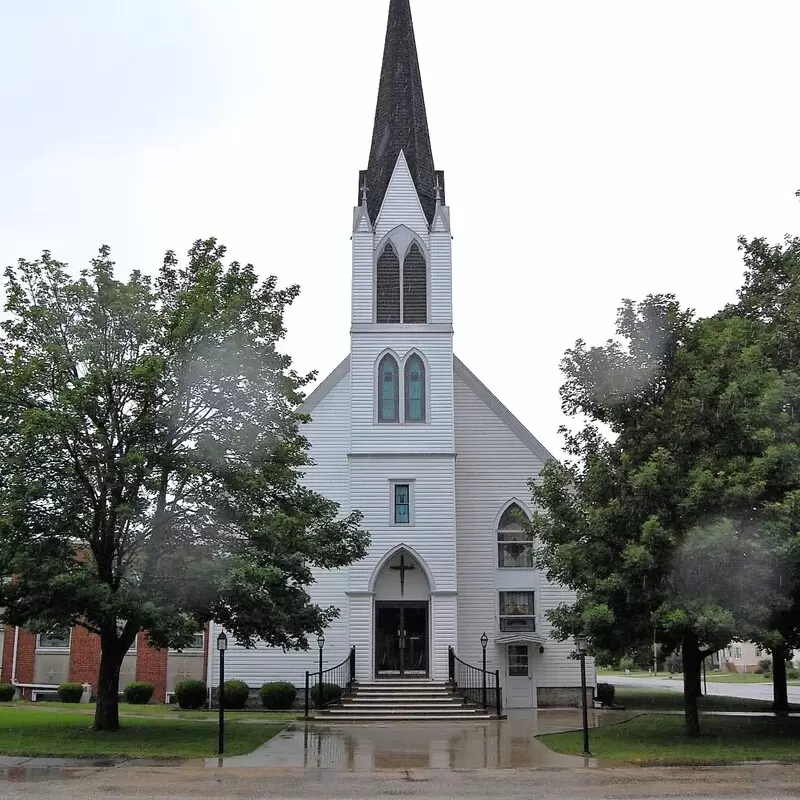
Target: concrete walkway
498	744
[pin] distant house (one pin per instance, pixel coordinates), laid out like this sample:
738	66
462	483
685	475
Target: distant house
744	657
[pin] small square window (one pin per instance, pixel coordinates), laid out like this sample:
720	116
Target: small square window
517	612
402	503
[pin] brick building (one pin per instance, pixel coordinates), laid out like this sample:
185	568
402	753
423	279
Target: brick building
38	663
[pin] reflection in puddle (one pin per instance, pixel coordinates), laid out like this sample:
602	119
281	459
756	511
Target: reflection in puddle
506	744
23	774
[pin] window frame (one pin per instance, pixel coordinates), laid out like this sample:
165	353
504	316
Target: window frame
526	544
54	648
401	253
393	484
423	372
398	393
503	618
512	659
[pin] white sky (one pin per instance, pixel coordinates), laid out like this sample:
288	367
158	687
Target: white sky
593	151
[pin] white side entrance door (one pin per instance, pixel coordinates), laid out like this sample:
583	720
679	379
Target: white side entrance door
519	677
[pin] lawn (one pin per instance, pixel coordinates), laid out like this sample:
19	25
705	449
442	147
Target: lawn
711	677
667	700
657	739
23	733
154	710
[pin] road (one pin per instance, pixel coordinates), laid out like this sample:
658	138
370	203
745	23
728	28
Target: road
765	782
753	691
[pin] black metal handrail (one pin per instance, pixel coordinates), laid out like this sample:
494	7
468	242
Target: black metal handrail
342	676
475	685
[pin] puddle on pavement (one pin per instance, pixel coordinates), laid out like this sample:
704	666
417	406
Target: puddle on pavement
23	774
506	744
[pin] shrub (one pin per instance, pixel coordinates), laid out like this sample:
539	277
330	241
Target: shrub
605	693
626	662
7	692
277	696
191	694
793	674
70	692
139	693
323	694
235	694
764	666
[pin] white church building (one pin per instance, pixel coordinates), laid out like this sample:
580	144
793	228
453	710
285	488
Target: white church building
402	431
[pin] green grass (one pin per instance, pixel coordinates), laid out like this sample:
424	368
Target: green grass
654	739
667	700
711	677
170	712
23	733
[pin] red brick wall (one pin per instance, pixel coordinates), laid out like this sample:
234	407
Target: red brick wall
26	654
8	655
151	666
84	660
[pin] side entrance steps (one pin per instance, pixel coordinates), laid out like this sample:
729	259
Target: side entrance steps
403	701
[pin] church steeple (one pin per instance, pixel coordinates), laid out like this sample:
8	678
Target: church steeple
401	123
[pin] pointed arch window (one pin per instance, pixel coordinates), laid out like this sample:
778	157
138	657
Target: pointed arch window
387	300
388	390
415	287
414	387
514	543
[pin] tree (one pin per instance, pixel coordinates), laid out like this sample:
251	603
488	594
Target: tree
657	525
151	460
770	297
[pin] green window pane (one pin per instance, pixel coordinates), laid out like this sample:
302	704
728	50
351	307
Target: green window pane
415	389
388	390
402	504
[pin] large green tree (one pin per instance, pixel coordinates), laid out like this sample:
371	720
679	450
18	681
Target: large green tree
151	460
655	519
770	297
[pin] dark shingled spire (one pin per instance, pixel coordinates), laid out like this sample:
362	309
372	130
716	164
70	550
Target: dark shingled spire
400	119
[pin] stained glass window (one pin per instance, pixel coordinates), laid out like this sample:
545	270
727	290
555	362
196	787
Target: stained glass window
415	389
514	544
402	503
57	639
388	390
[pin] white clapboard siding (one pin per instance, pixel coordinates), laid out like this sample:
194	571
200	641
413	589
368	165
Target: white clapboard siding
441	278
401	204
436	435
363	277
432	534
329	436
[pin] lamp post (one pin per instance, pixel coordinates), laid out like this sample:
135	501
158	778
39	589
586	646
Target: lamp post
222	646
321	644
582	645
484	642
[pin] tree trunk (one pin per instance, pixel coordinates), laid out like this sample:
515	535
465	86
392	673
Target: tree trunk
106	715
691	682
780	693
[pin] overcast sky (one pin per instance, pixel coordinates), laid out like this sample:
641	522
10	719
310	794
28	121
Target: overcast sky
593	151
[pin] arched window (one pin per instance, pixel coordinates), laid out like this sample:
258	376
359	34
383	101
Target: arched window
388	390
414	385
387	295
415	291
514	544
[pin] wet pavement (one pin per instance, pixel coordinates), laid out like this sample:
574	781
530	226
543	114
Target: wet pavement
497	744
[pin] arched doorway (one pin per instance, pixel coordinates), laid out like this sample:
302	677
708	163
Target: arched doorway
402	618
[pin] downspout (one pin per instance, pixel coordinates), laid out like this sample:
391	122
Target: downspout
14	657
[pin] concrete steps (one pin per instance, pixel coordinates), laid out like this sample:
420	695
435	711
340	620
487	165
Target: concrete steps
403	701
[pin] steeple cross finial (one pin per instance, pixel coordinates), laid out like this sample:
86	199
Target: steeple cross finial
364	190
438	188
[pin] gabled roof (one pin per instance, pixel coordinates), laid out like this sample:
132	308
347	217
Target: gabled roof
401	122
480	389
469	378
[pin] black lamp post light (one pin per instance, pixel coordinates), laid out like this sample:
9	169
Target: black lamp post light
484	642
321	645
222	646
582	645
